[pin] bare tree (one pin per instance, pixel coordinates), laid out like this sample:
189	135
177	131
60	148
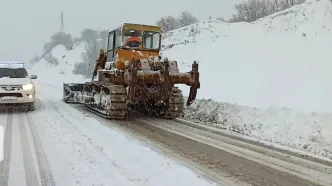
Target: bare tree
51	59
162	23
167	23
34	59
187	18
275	5
172	22
221	19
62	39
89	35
103	34
253	10
289	3
48	47
89	58
76	41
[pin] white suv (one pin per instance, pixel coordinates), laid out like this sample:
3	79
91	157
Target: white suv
16	87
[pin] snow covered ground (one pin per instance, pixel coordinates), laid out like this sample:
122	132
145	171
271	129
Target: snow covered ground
309	132
83	151
279	67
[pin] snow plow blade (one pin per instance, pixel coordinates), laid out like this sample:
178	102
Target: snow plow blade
73	93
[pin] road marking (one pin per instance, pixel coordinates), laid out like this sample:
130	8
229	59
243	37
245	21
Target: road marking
2	142
43	164
17	167
29	165
7	148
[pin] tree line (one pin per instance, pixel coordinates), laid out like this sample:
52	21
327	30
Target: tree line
248	11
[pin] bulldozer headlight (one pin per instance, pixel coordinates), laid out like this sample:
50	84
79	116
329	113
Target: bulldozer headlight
28	87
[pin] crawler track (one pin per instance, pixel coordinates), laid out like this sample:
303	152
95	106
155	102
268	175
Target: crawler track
176	104
107	100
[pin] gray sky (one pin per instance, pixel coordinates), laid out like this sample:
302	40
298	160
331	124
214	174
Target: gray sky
27	25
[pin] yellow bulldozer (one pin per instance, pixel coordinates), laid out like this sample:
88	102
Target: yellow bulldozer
132	78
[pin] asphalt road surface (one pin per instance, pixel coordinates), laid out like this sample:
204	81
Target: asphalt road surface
24	161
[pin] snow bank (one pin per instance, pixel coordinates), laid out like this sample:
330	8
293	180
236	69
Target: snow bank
309	132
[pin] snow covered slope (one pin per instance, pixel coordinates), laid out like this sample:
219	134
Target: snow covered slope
279	61
269	62
58	74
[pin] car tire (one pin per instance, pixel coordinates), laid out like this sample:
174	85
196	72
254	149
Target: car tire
31	107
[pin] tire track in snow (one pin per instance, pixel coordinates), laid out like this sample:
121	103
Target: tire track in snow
29	167
44	166
129	176
5	164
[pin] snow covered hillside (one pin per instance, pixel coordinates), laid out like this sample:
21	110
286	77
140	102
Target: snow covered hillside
269	62
279	61
63	71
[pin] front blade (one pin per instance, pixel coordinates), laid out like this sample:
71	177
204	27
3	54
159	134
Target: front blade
73	92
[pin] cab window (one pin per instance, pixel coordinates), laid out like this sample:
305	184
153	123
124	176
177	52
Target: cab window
110	41
151	40
132	38
118	38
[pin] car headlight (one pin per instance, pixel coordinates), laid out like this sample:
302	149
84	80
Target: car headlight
27	87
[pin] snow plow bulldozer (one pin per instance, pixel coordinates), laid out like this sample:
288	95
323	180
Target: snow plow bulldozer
132	78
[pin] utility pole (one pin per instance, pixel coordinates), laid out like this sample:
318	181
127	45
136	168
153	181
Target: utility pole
62	25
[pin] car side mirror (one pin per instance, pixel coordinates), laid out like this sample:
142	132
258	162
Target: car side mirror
33	76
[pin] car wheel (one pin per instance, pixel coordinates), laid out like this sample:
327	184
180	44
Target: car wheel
32	107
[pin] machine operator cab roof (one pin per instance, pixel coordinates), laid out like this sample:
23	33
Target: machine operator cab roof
135	36
130	41
16	86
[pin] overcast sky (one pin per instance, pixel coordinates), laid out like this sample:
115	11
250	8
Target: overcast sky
27	25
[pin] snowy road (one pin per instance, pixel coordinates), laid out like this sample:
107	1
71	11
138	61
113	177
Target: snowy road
228	159
243	160
59	145
24	156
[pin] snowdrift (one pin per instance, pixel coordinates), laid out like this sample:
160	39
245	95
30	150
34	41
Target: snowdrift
307	132
278	66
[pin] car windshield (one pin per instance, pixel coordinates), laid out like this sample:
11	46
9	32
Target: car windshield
13	73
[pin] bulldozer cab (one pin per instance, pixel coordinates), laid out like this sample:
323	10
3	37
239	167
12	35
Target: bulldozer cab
133	41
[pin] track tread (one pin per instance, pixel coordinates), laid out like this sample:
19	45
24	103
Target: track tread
117	105
176	104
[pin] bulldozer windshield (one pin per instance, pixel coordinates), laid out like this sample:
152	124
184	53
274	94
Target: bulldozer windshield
151	40
132	38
